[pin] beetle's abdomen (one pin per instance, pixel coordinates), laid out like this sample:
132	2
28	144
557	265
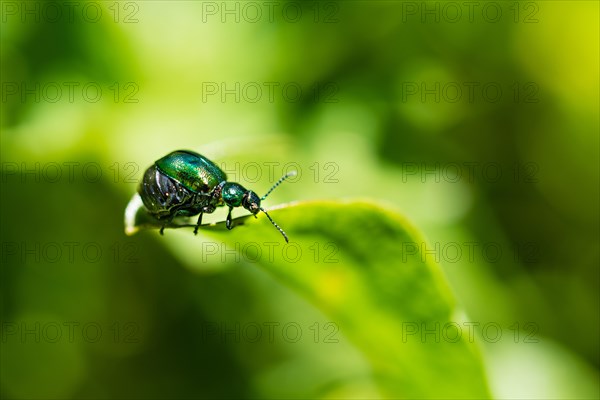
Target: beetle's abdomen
161	194
192	170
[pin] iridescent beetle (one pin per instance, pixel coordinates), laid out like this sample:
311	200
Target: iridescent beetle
185	183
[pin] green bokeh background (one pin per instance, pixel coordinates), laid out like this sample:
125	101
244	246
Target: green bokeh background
355	131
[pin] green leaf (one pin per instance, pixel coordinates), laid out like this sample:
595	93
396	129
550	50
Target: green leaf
362	265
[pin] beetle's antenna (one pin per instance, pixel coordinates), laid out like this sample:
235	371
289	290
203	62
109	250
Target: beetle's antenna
283	178
275	225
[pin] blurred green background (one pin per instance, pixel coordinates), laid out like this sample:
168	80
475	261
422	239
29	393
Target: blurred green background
478	123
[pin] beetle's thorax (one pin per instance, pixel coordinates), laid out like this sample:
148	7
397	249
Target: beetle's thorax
233	193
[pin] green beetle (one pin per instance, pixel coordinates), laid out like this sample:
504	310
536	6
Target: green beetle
185	183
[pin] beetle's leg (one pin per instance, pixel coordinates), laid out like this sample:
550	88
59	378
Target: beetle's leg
228	221
198	224
168	222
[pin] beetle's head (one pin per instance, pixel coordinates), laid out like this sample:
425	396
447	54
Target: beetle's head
235	195
251	202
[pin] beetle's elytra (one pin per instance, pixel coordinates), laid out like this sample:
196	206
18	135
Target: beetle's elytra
185	183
